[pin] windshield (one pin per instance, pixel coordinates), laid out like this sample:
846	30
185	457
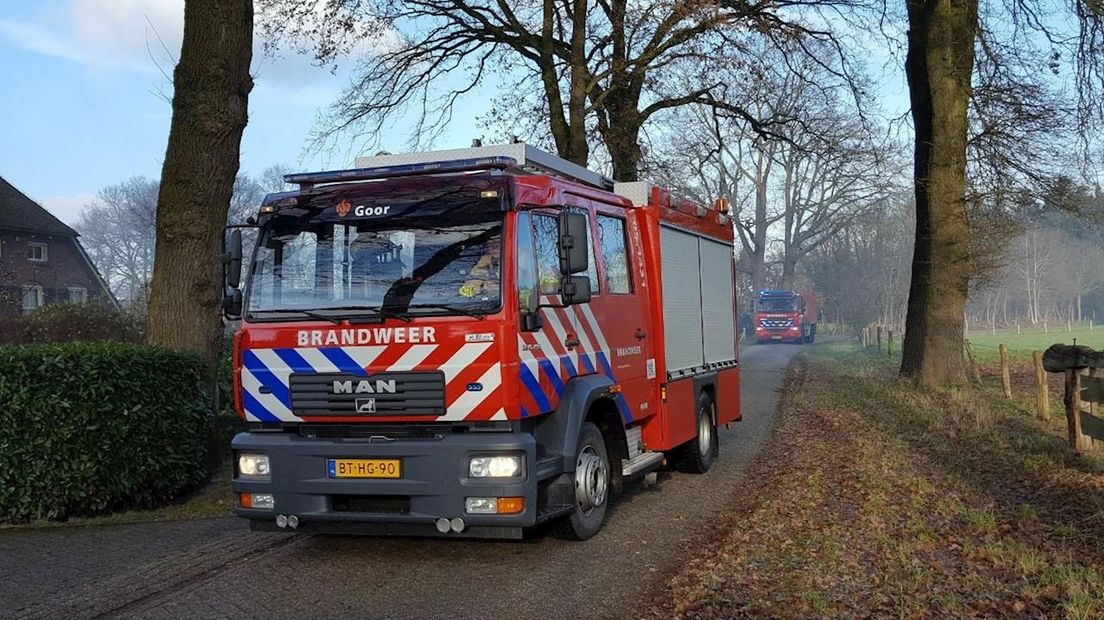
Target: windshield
783	304
435	253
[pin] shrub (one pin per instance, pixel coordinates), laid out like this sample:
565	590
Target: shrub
65	322
89	428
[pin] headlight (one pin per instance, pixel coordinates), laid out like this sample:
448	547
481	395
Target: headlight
494	466
253	465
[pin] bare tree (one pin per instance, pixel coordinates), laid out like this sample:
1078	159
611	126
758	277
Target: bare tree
211	85
607	67
833	173
940	66
117	230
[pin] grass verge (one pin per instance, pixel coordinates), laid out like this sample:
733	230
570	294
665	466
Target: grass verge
876	499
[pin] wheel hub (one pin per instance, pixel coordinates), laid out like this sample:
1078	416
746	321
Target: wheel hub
591	480
705	433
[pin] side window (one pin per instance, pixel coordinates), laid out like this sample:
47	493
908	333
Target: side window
526	263
615	256
546	229
545	232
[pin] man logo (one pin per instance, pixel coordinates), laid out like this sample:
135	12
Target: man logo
343	208
365	405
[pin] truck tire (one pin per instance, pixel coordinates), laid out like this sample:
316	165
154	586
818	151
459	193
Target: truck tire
697	455
592	485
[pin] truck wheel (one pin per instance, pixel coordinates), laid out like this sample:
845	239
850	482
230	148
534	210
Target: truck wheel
592	485
697	455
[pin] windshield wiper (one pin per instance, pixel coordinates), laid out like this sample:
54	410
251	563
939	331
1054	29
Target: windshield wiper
377	313
313	315
477	314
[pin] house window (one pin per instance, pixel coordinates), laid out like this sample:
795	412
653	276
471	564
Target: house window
33	298
78	294
37	252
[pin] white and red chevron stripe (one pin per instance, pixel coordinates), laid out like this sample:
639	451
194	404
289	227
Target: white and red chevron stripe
265	380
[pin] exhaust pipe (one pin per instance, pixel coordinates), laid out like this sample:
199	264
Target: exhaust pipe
445	525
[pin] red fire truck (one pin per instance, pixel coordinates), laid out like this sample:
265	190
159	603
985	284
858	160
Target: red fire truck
785	316
475	341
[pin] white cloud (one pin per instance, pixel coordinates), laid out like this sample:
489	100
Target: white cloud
68	208
145	36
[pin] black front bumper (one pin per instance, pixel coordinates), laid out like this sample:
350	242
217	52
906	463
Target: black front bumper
434	484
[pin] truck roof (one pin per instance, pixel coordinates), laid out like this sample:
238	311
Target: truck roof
531	167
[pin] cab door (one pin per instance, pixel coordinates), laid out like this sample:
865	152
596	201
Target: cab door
614	328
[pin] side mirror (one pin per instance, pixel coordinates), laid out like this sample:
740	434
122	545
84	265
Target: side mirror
232	303
574	252
233	259
575	290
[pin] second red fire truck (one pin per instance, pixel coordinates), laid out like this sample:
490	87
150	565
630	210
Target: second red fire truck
785	316
472	342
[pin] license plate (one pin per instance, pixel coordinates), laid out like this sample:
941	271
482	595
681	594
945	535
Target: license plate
365	468
777	337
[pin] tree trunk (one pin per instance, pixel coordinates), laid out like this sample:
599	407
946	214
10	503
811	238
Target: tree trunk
211	87
939	66
759	257
789	270
624	147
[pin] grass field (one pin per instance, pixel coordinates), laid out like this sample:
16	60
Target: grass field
1020	345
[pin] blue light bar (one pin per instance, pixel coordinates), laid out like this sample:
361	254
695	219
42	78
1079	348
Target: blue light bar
405	170
769	293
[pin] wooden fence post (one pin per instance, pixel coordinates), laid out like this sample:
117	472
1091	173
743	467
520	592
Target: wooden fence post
1077	441
1006	379
1045	330
1017	328
1042	391
972	361
865	336
889	343
879	339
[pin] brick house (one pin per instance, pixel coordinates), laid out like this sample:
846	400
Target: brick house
41	260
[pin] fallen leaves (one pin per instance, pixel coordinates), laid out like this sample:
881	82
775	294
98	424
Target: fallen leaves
856	511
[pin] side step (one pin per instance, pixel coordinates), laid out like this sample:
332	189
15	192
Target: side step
641	463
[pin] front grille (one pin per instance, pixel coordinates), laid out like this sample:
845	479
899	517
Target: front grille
776	323
366	431
384	393
378	504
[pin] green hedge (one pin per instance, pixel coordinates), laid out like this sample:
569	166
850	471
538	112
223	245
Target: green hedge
93	427
66	322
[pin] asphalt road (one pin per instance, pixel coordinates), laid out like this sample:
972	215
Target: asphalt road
218	569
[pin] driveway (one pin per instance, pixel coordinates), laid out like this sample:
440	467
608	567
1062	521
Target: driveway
218	568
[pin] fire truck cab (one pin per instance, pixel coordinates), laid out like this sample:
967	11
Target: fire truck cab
472	342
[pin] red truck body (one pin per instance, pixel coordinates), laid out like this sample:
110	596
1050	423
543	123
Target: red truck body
409	394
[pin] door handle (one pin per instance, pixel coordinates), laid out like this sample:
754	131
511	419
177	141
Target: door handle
640	334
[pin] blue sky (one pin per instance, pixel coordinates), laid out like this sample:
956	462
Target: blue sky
84	99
